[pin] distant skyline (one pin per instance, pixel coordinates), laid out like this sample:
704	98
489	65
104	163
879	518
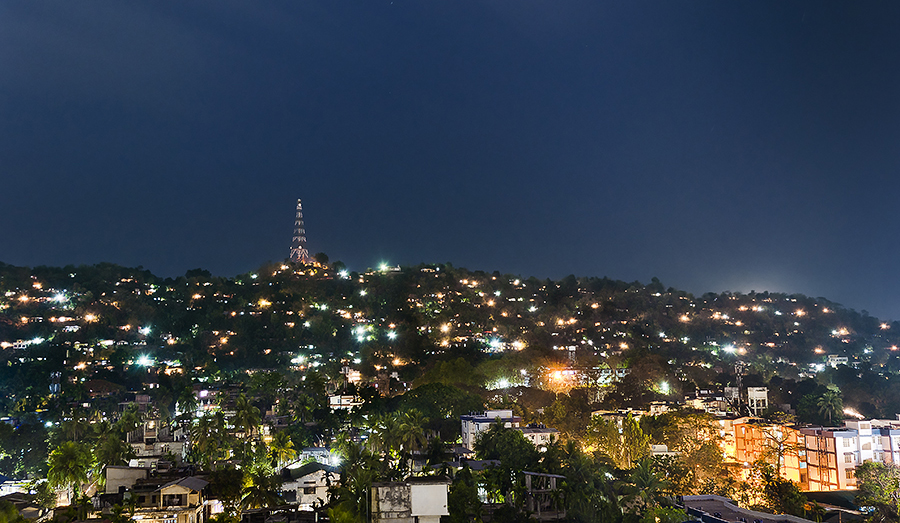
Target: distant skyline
714	145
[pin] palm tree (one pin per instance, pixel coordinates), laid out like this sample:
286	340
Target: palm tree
209	439
246	416
411	434
385	431
186	403
281	449
644	488
69	465
111	449
261	483
830	403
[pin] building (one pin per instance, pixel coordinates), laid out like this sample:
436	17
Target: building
307	485
416	500
156	441
178	501
832	454
539	435
476	423
778	445
757	400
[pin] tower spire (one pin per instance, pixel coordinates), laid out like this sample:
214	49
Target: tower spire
299	254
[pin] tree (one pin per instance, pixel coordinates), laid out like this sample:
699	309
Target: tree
644	489
878	486
830	403
624	448
209	440
281	449
69	465
246	416
463	502
111	449
515	453
261	483
780	494
411	434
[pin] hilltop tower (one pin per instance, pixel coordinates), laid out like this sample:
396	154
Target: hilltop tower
299	254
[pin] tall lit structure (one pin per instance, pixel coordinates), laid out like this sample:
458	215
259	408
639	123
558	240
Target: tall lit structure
299	254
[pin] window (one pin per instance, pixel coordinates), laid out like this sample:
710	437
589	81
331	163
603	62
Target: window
309	490
848	458
849	473
846	442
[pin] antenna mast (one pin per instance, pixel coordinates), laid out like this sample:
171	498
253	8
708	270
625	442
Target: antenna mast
299	254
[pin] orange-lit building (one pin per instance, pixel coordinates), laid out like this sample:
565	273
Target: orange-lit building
778	445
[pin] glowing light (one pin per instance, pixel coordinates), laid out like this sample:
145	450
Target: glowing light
90	317
383	267
223	340
264	303
664	387
144	330
800	312
623	345
730	349
306	324
145	361
344	274
532	308
684	318
819	350
59	298
885	326
445	327
171	341
23	299
392	335
852	412
363	292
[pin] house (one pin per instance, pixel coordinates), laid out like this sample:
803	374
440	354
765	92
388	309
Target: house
156	439
307	485
539	435
178	501
476	423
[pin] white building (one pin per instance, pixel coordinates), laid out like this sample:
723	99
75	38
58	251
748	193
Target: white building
416	500
757	400
539	435
476	423
832	454
307	485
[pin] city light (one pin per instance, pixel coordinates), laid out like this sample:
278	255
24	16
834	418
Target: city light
145	361
664	387
392	335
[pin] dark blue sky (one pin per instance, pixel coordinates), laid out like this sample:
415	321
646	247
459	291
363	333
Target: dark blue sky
716	145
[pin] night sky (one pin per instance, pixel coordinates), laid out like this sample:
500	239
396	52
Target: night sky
717	145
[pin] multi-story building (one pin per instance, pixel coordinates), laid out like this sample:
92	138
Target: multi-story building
476	423
778	445
539	435
832	454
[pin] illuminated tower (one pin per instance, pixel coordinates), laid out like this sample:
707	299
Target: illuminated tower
299	254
